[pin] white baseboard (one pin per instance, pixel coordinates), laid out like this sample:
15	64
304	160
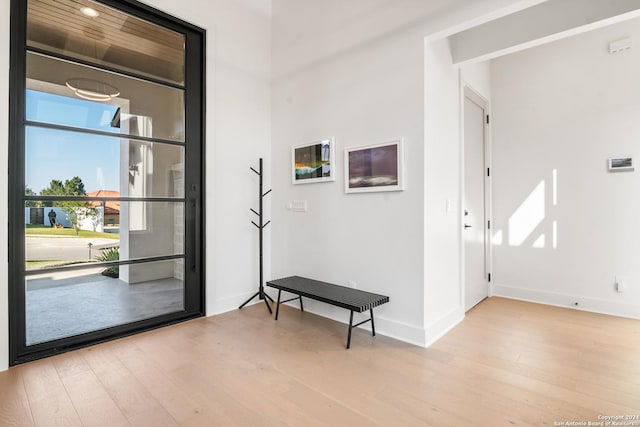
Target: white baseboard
224	305
441	326
401	331
557	299
384	326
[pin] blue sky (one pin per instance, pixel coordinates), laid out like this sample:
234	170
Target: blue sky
53	154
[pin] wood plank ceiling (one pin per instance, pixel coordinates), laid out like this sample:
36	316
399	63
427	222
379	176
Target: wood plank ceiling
112	38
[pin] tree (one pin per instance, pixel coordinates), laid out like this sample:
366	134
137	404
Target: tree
76	211
95	218
70	187
77	214
31	203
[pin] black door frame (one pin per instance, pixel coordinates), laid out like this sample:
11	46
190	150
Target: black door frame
194	251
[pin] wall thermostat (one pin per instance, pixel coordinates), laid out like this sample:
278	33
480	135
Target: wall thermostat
621	164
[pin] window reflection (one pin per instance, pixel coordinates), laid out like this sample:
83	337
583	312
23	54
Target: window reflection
141	109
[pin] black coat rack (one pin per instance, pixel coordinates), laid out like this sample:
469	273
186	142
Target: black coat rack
260	225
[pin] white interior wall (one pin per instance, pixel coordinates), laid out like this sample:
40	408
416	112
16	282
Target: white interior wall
560	111
442	295
372	94
356	71
478	76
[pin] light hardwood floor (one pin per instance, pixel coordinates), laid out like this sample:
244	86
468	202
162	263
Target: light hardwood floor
508	363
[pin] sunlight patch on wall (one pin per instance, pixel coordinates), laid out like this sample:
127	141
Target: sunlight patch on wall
528	216
539	243
555	187
497	238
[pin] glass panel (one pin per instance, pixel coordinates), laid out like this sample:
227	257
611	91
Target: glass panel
107	156
63	304
88	98
105	166
70	233
95	33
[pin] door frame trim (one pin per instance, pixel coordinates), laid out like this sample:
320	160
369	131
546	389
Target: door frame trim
467	91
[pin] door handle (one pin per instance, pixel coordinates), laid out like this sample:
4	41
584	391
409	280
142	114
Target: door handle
467	226
196	234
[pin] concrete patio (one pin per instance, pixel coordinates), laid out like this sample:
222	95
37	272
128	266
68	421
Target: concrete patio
71	303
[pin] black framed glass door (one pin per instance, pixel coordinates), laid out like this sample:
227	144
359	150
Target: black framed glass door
107	174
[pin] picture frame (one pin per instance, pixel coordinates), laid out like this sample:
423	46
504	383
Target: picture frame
313	162
373	168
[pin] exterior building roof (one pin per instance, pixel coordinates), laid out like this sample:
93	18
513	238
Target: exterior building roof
111	206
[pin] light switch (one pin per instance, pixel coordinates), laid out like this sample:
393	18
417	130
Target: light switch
299	206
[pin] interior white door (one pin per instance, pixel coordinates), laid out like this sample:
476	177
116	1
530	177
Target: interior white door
475	221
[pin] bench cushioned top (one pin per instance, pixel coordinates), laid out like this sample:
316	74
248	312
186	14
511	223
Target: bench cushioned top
341	296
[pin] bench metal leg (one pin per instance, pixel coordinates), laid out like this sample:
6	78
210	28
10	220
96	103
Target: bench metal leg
350	327
278	305
373	327
299	297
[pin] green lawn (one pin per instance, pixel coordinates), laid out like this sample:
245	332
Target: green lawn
39	264
50	231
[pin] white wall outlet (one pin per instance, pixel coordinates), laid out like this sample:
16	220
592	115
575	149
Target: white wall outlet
620	285
351	284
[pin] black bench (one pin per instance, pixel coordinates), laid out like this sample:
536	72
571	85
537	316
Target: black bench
341	296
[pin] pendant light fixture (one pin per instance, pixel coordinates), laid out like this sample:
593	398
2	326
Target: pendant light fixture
89	89
92	90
